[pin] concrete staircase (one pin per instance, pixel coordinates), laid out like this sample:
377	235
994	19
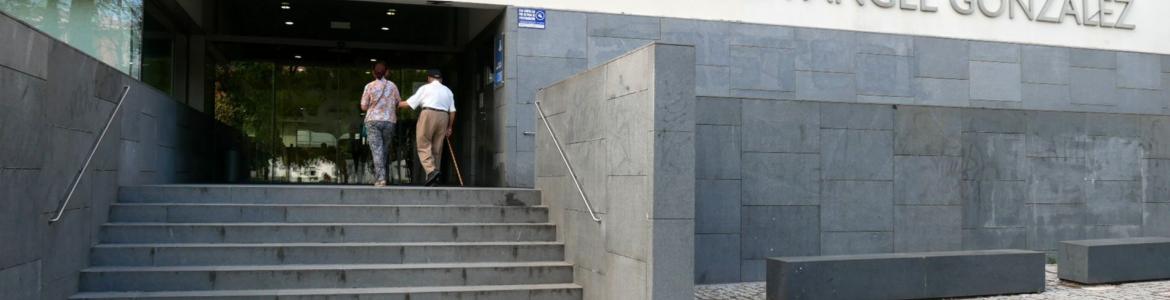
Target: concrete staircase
327	242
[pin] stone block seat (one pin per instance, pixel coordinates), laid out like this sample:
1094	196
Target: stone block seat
1114	260
906	275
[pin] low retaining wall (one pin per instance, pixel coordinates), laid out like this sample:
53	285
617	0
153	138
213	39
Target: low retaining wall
627	128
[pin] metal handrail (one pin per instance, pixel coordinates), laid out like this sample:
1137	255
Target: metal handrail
569	166
92	151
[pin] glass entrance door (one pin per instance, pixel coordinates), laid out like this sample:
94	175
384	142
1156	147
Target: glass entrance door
306	123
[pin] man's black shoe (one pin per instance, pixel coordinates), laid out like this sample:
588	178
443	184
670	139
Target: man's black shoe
432	178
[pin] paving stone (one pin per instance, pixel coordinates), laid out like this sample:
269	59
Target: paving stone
825	50
846	243
995	52
941	58
717	206
717	152
884	44
1091	58
824	86
884	75
781	179
927	131
994	204
927	228
624	26
857	154
857	206
927	180
856	116
770	231
1138	71
717	258
1044	64
781	126
995	81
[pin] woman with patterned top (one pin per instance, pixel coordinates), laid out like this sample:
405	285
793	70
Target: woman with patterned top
380	102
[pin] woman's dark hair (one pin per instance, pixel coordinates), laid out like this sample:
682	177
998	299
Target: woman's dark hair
380	71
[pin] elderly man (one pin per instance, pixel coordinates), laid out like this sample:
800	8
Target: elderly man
434	122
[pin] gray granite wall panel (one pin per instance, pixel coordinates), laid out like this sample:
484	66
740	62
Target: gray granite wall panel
995	52
884	75
1138	71
849	243
1053	162
857	206
722	253
51	111
941	58
1044	64
927	228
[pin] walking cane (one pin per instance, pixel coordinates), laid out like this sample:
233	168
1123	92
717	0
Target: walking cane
453	161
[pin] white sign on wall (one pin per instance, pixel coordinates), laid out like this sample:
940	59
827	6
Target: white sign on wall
1128	25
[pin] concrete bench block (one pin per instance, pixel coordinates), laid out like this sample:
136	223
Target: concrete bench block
906	275
1114	260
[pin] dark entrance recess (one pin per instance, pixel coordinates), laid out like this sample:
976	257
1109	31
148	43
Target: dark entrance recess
288	76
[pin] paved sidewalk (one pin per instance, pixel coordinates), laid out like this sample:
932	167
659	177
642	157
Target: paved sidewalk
1055	290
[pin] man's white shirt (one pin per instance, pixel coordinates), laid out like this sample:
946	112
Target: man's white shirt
433	95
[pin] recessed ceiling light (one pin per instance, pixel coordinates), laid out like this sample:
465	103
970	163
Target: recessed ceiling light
285	6
385	28
289	23
391	12
373	59
297	56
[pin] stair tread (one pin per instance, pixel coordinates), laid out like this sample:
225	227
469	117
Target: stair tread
325	267
269	245
321	224
330	291
229	204
328	187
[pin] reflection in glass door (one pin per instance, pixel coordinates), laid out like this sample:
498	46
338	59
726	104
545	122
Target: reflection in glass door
306	122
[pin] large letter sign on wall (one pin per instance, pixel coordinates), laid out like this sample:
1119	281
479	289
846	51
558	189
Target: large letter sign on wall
1126	25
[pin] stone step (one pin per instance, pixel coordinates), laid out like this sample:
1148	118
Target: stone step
318	213
560	291
195	278
318	253
325	232
323	194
